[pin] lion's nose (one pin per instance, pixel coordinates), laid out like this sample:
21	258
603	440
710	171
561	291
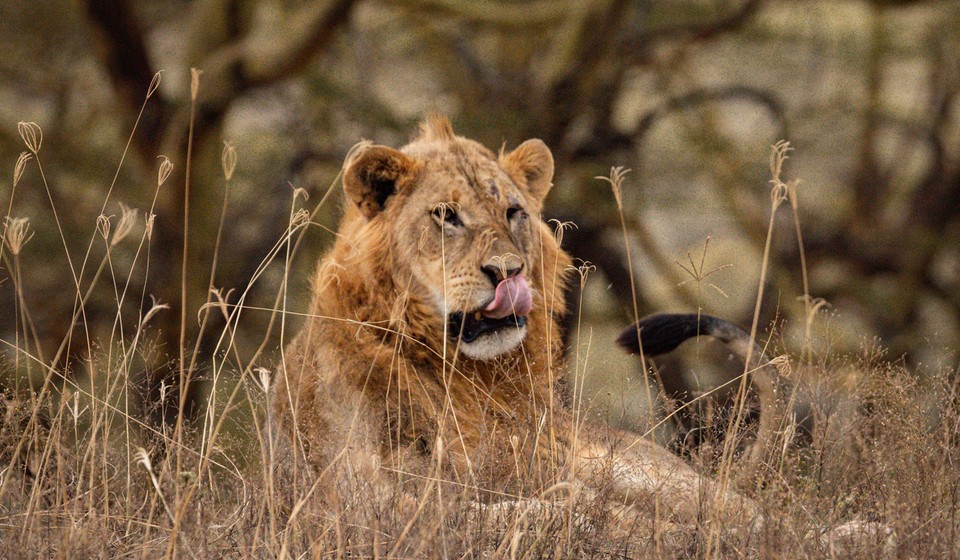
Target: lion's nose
498	274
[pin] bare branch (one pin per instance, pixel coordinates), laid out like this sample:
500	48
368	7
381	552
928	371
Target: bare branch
585	70
698	97
700	30
290	50
250	61
122	49
537	12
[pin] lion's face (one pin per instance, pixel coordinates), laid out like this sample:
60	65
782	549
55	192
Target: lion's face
464	223
474	243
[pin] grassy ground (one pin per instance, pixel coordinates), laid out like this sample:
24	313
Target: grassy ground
86	474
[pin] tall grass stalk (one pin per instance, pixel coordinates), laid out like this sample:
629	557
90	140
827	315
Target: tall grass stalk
78	478
185	375
778	195
615	179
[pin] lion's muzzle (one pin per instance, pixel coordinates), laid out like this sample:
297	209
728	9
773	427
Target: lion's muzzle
469	328
512	302
511	298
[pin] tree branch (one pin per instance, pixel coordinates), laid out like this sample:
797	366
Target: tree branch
699	96
698	31
249	61
535	13
290	50
122	49
584	68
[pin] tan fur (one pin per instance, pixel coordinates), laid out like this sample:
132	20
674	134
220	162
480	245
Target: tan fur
374	392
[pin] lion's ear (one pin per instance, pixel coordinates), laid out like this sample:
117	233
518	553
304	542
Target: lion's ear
532	163
371	175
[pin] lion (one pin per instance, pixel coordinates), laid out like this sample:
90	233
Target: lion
433	342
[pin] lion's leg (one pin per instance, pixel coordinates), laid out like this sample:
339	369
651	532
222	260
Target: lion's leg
643	474
328	432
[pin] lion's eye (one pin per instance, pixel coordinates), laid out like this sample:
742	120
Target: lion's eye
446	215
516	212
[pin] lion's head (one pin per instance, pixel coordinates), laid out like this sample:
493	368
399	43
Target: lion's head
464	229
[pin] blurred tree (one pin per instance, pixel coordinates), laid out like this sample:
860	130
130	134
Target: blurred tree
236	54
690	94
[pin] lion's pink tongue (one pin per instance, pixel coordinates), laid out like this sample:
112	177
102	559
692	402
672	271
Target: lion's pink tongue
512	297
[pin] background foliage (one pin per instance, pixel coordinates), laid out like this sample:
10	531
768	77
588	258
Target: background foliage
130	427
689	94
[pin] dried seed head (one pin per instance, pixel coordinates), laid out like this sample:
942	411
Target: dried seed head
228	160
560	227
17	234
20	166
780	191
778	194
103	225
128	218
154	84
814	305
444	207
74	408
144	459
615	179
148	226
194	83
779	153
264	375
583	271
31	134
300	218
222	302
299	192
155	307
503	261
165	168
782	363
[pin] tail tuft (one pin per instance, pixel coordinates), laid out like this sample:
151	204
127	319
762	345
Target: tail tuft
663	332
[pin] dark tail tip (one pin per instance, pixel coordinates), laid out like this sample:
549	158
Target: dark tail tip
663	332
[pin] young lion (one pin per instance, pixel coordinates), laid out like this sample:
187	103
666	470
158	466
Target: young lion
433	343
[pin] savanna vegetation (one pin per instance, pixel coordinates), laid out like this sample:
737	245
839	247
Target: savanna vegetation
174	176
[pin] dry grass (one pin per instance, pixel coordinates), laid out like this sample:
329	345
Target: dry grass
84	474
